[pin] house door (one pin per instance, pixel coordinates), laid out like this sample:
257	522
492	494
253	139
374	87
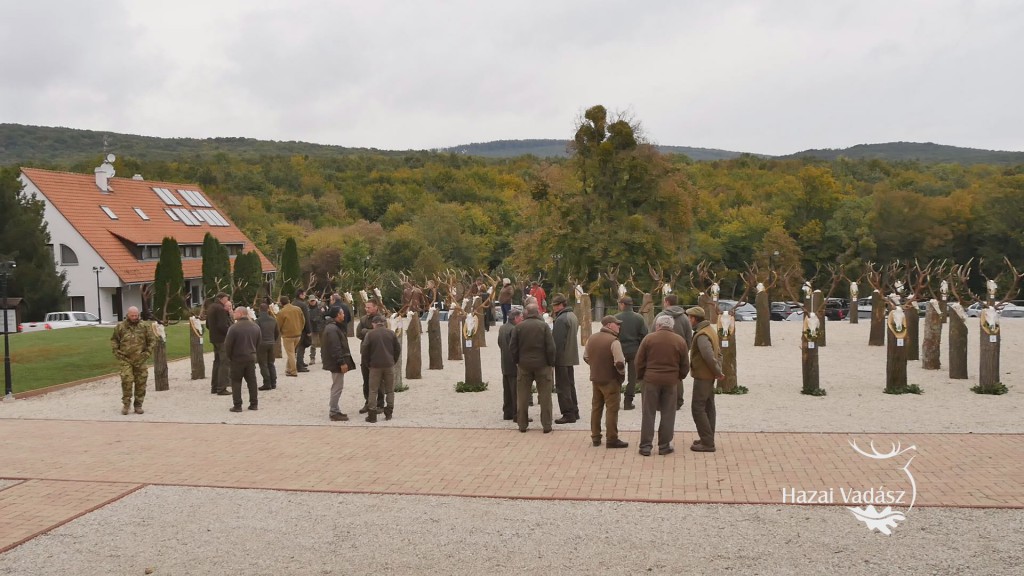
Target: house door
116	305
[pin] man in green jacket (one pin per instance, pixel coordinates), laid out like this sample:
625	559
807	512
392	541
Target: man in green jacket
632	329
533	350
706	367
565	332
132	343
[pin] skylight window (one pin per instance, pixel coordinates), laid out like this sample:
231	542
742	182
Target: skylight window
185	216
167	196
194	198
109	212
141	213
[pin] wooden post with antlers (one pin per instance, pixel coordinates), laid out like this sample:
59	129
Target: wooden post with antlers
708	291
819	302
455	317
763	327
471	328
876	336
195	346
989	380
582	309
854	298
896	351
810	370
932	345
161	382
918	281
434	328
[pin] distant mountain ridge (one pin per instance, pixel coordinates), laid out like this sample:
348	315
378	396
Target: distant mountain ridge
43	145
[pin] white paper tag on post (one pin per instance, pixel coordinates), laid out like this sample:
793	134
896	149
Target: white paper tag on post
810	345
725	344
899	341
993	338
469	343
200	341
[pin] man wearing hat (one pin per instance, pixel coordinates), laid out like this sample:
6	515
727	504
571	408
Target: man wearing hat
567	354
533	351
662	363
607	371
706	364
505	298
632	329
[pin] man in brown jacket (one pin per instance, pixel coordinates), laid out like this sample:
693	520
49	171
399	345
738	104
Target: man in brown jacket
706	361
380	351
240	346
662	363
533	350
607	369
505	298
292	321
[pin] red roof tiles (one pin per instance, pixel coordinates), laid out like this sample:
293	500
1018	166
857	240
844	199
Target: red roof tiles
78	199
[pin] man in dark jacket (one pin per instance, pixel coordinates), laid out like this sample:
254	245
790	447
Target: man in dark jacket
681	326
240	346
661	362
380	351
317	323
508	366
337	358
533	350
565	332
218	320
306	339
706	362
632	330
270	332
365	325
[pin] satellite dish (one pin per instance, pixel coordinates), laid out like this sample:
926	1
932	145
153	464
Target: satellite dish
111	158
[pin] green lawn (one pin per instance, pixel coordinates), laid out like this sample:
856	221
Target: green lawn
40	359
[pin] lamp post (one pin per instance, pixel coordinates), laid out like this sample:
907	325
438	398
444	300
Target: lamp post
99	305
558	269
6	268
771	260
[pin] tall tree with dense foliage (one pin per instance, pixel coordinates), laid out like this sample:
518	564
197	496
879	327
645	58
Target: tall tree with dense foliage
169	283
289	273
216	266
248	278
25	239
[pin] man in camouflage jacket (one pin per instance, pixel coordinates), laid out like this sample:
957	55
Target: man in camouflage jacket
132	344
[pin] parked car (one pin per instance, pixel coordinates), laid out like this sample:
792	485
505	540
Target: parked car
745	313
443	313
499	318
864	308
1012	311
837	308
974	310
782	310
58	320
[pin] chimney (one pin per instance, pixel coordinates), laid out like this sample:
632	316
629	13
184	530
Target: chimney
104	173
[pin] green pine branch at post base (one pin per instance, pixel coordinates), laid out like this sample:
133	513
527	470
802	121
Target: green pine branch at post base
461	386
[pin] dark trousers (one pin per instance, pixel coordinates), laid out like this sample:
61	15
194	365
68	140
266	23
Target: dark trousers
265	358
702	406
366	388
505	309
565	385
246	370
221	369
508	403
630	377
658	398
300	354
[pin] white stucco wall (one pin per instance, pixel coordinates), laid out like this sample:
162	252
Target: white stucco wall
81	278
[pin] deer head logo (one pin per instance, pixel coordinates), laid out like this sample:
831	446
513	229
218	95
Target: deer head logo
885	520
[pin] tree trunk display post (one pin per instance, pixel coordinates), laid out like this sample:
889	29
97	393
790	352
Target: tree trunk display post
471	351
762	302
727	340
854	300
943	301
957	319
662	285
582	311
913	330
989	380
877	335
196	356
414	354
811	329
818	305
896	351
707	288
932	341
434	339
647	310
161	382
397	323
455	343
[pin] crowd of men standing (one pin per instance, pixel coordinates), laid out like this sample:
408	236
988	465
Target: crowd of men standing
625	350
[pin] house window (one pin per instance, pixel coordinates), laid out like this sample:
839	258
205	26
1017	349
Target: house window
110	213
76	303
150	252
141	213
167	196
190	251
194	198
68	256
234	249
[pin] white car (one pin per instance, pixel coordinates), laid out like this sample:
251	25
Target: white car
58	320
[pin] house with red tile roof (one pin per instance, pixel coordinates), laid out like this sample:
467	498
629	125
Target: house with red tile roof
106	234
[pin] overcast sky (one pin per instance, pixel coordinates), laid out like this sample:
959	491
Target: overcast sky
773	77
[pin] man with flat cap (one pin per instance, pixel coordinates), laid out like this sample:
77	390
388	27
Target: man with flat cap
706	366
632	329
607	371
662	363
565	331
533	350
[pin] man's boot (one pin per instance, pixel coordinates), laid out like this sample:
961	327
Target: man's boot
388	412
125	409
139	410
371	417
629	405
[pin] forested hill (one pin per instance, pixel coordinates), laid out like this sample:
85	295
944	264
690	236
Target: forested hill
925	152
44	145
559	149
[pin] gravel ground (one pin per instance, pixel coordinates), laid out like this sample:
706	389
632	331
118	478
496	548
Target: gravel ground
212	531
852	372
